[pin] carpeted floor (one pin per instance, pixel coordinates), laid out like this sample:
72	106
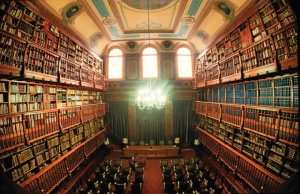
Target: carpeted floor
152	172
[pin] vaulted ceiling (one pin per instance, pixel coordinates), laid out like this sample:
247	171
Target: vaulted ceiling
103	23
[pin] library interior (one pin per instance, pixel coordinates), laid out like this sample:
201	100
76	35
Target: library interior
148	96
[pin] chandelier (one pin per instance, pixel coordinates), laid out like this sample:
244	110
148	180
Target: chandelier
148	98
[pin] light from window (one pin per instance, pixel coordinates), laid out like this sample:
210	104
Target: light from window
150	66
115	64
184	63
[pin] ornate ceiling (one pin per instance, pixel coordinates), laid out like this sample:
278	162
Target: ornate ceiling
103	23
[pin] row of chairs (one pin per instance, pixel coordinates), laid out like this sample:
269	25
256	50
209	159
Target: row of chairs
95	187
151	142
187	175
113	176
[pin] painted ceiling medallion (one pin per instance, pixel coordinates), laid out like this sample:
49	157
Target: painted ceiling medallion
143	4
188	20
95	38
131	44
108	21
70	12
203	35
226	8
167	44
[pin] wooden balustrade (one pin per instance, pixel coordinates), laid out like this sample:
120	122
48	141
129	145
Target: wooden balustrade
88	112
201	108
100	109
39	124
53	174
258	178
232	114
264	121
11	131
213	110
69	117
289	126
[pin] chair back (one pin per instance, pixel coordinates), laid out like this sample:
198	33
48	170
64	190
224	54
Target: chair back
120	187
105	187
139	170
151	142
183	186
161	142
166	177
169	187
175	162
136	188
142	143
132	143
126	170
118	163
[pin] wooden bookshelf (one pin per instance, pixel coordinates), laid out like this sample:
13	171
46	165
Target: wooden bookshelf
47	131
212	75
286	46
4	96
252	131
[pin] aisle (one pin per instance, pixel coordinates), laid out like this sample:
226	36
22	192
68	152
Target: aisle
152	177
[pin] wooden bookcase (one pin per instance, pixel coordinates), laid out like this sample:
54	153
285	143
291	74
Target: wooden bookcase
40	51
51	109
265	43
253	124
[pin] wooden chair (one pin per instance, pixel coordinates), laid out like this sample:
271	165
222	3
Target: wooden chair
185	161
142	143
179	177
167	170
163	163
167	177
139	178
136	188
100	176
120	188
196	160
175	162
151	142
132	143
107	162
161	142
123	178
118	163
169	187
105	187
139	170
183	186
126	170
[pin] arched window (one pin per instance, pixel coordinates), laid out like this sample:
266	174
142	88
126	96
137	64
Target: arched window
150	66
115	64
184	63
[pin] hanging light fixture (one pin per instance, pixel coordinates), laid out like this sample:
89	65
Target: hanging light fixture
148	98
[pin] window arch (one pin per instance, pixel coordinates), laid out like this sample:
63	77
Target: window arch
115	64
184	63
149	63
